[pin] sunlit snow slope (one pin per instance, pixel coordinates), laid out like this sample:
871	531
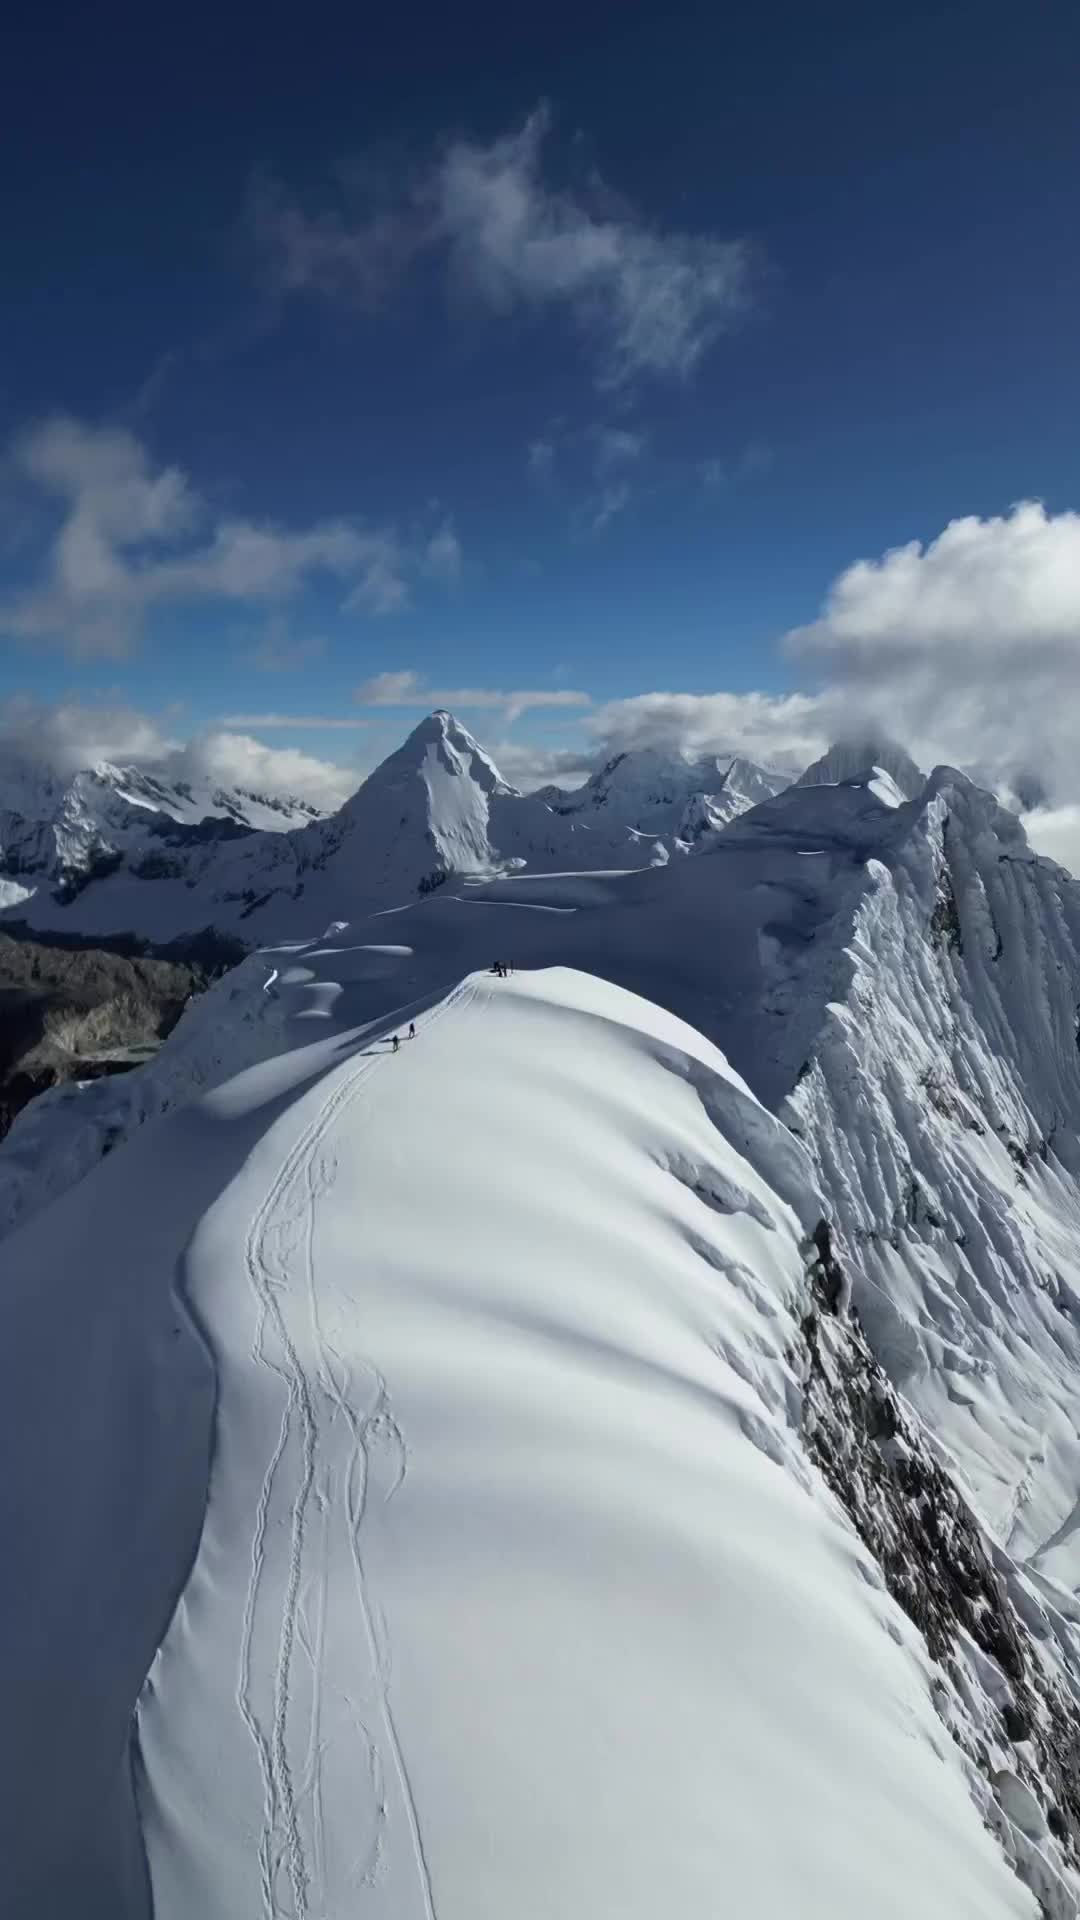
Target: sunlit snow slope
516	1594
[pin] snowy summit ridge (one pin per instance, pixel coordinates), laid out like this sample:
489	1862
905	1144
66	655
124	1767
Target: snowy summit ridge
754	1190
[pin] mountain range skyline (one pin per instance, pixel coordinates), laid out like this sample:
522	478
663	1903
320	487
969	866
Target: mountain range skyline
428	381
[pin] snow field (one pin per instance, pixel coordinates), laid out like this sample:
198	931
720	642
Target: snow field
515	1592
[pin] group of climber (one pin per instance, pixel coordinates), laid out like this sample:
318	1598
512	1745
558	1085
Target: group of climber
497	966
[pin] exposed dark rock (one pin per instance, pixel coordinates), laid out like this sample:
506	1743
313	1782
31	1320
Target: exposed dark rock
75	1012
945	928
936	1562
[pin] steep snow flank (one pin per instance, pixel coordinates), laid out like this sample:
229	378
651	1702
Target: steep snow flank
516	1593
942	1104
424	810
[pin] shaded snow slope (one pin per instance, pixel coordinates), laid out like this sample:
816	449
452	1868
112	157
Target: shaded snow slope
942	1104
516	1591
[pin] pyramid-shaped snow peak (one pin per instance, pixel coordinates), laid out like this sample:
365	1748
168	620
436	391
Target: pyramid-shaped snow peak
439	743
425	808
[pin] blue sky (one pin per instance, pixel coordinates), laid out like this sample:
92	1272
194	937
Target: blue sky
576	354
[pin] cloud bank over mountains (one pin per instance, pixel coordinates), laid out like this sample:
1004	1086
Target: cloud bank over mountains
966	647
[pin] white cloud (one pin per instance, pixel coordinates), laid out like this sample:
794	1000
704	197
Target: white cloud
527	766
69	734
297	722
133	537
594	467
400	689
1055	831
616	447
718	473
603	506
651	302
983	587
406	688
229	759
967	648
781	730
279	652
647	301
66	736
442	555
359	258
382	587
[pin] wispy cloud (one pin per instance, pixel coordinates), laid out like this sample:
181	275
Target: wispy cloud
407	688
602	507
541	457
646	301
359	256
279	652
720	472
782	730
527	765
591	467
133	536
616	447
295	722
442	555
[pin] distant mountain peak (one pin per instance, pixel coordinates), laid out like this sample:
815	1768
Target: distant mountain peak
459	753
856	758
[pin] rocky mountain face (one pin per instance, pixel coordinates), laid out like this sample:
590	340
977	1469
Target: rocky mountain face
72	1013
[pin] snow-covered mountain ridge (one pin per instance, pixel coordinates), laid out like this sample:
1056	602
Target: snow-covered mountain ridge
897	981
64	832
512	1523
436	808
666	794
